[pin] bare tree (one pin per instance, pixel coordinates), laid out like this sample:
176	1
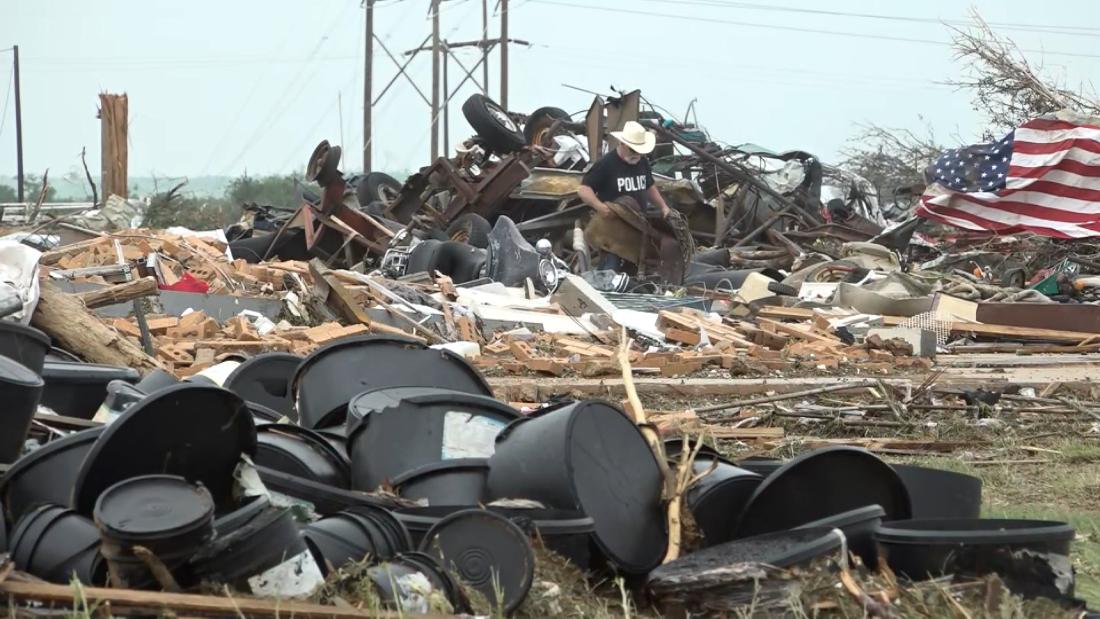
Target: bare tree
1007	88
891	159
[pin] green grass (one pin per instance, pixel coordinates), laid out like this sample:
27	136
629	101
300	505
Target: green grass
1066	488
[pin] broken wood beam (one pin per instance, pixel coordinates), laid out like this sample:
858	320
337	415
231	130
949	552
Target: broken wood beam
119	293
957	327
63	317
787	396
155	603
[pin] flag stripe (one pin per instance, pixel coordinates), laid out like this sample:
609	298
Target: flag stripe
1057	195
1073	154
996	220
1064	167
1053	124
1048	148
1040	136
1044	177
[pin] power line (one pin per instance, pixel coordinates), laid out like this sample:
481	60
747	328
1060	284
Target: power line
858	35
7	99
280	104
1047	28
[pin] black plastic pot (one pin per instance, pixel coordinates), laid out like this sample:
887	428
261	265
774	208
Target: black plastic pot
588	456
324	499
355	535
485	550
77	389
338	438
47	474
162	513
397	581
332	375
155	381
565	532
763	467
198	432
301	452
936	493
673	447
265	379
24	344
400	429
823	483
716	499
55	543
450	482
240	515
267	540
262	414
688	585
859	527
1031	556
20	390
58	354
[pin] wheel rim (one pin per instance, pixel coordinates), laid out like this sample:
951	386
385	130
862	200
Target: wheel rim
461	235
502	117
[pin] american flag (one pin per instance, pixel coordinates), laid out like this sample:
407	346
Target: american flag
1044	177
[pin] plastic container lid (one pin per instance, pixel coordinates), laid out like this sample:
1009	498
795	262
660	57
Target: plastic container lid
154	507
484	548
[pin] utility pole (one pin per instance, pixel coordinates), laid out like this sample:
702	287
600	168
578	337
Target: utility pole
18	125
504	54
485	47
368	70
446	103
435	79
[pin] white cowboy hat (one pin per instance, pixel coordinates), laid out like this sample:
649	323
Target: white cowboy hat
636	137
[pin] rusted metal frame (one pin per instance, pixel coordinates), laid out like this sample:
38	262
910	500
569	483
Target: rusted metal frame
401	71
593	127
740	175
768	223
492	190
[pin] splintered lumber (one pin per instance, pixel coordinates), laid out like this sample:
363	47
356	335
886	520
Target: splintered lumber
54	256
957	327
788	396
119	293
158	603
72	327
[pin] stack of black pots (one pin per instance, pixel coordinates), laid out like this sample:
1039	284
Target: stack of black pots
151	500
922	522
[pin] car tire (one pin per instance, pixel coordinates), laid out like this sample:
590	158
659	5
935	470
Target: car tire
377	187
470	228
539	121
493	124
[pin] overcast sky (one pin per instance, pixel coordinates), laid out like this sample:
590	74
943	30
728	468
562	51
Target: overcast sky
234	85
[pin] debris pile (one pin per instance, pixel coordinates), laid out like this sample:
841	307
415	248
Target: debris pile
416	397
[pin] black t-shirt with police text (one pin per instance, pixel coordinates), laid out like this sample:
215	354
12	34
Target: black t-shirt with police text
611	177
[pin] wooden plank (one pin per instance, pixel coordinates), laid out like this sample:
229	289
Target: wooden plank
987	330
744	434
63	318
142	602
794	331
119	293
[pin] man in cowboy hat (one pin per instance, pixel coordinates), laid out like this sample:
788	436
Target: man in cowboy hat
623	172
